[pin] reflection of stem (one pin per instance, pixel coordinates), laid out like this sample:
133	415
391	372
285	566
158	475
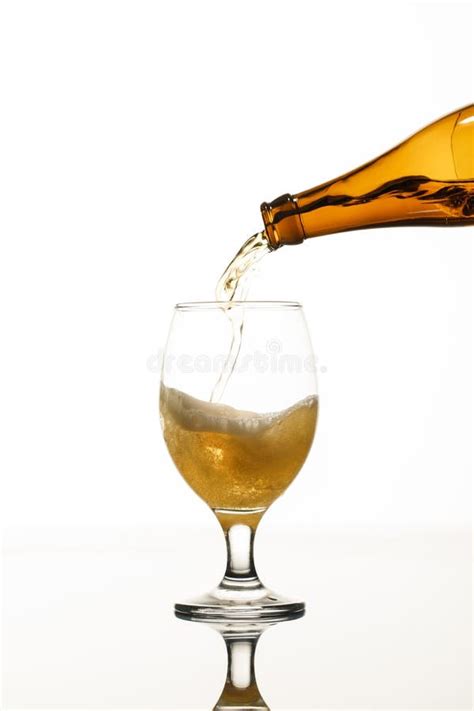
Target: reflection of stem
240	689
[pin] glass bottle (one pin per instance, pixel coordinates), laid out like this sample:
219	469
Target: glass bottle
426	180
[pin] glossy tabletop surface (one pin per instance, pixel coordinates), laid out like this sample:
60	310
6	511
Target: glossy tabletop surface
88	620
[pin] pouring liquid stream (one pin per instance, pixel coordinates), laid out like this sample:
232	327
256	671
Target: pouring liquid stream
234	286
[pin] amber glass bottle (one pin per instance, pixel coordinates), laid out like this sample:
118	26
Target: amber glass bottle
426	180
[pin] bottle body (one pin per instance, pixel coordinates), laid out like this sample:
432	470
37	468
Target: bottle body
426	180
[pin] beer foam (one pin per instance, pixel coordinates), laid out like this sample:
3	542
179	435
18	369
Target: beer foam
203	416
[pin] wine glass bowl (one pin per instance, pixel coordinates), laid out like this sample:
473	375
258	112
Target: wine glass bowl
239	453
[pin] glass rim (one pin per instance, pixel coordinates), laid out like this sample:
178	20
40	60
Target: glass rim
205	305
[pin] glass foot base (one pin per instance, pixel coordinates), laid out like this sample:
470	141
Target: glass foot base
240	606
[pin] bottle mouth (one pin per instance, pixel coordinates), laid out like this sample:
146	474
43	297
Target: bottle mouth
209	305
271	232
282	221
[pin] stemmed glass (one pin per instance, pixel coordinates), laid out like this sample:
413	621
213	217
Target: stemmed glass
239	454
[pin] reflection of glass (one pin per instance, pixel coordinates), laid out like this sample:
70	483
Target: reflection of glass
241	455
240	689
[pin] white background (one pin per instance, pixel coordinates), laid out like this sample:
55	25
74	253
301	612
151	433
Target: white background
138	140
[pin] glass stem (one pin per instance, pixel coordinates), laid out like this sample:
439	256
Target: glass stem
239	531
